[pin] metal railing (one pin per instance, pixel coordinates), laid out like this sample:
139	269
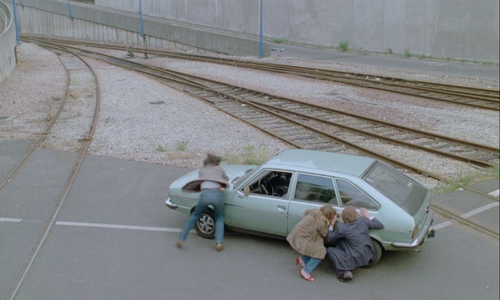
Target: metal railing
7	42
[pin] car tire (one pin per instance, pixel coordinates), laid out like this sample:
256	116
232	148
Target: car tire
205	225
378	253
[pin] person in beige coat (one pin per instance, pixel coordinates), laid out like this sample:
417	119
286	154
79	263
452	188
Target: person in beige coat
307	238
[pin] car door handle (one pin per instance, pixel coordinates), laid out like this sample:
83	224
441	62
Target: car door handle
281	208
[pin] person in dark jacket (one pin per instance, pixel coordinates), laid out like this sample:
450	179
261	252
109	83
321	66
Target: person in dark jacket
211	180
353	246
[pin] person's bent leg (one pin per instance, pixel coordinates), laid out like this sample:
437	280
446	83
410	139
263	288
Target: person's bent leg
219	217
200	207
311	264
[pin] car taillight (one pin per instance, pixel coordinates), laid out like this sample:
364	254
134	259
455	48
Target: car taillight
415	231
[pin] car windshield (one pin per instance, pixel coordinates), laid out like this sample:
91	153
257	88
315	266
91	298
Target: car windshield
398	187
237	180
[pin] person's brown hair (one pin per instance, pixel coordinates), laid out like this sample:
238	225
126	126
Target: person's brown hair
211	159
349	214
328	211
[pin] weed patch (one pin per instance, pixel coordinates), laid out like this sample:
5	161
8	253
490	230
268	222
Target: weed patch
181	145
344	45
250	156
160	148
279	40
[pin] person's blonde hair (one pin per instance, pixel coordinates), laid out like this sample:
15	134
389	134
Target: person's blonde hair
328	211
349	214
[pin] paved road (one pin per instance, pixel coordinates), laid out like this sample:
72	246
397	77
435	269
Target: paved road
391	62
114	239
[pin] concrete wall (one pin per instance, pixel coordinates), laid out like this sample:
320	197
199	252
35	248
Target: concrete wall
51	18
467	29
7	42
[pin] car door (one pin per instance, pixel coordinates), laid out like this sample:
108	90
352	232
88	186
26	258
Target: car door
353	195
265	213
310	191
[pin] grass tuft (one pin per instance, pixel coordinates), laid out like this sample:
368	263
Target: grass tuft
279	40
251	156
344	45
181	145
160	148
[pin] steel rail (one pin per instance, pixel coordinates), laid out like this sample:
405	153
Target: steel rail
464	221
183	83
447	214
442	142
475	97
43	134
21	276
491	151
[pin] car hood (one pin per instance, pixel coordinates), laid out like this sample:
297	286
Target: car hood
232	171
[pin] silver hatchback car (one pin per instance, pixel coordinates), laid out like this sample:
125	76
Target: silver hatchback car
270	199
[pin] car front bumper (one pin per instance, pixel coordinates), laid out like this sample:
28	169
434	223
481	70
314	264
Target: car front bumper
424	234
170	204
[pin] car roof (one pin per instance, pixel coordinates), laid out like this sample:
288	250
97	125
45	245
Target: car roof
329	161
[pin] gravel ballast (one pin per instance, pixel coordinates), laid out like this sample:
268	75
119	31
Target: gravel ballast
141	119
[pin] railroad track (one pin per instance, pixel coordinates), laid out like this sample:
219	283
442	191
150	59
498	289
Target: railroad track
286	119
305	125
465	222
75	66
469	96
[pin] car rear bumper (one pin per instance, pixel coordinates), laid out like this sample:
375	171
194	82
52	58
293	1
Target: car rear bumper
170	204
424	234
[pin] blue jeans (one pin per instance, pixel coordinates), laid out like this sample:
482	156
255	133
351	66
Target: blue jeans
310	262
207	197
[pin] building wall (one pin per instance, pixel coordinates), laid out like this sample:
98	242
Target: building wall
52	18
459	29
7	41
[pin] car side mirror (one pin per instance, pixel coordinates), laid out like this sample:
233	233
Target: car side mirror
246	191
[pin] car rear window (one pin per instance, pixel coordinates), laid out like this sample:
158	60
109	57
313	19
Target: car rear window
401	189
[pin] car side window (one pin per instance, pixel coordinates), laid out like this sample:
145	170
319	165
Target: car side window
272	183
315	188
352	195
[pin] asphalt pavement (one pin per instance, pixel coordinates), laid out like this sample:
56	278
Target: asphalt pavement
114	239
391	62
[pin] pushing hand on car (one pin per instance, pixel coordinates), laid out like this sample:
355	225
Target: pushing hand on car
364	212
334	220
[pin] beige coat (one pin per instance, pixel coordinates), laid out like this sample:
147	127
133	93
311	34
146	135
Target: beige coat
307	238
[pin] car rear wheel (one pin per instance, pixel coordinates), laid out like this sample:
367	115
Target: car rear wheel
378	253
205	225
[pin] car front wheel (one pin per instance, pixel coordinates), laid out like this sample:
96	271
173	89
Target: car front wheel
205	225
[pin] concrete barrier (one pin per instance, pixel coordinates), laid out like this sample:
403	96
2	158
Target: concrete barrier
52	18
457	29
449	29
7	42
